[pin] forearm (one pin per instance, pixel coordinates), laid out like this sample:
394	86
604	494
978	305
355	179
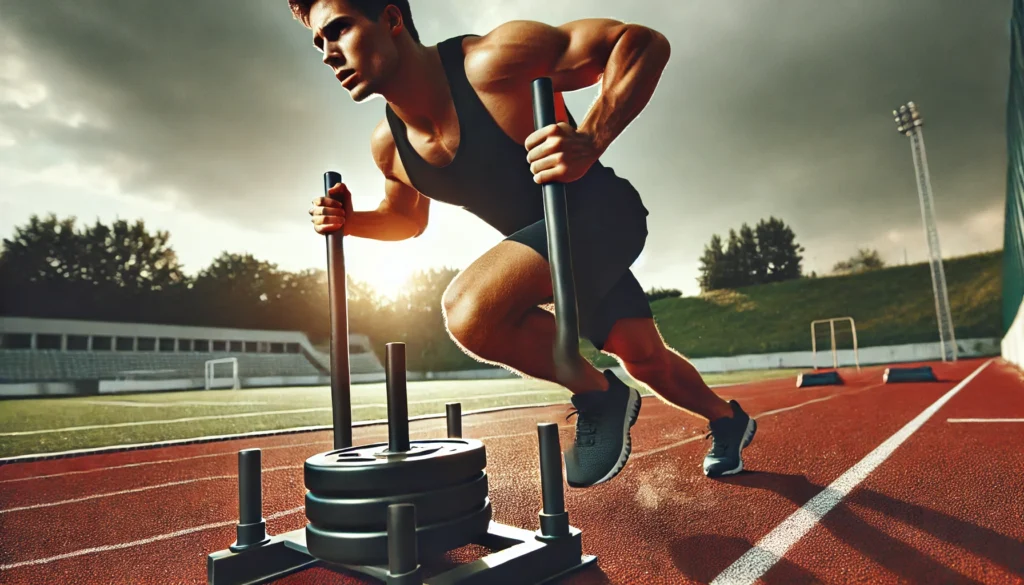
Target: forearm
381	224
634	68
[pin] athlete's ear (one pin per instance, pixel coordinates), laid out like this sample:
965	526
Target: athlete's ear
394	16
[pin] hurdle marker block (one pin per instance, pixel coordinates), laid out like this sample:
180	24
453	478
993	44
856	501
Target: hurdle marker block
897	375
819	379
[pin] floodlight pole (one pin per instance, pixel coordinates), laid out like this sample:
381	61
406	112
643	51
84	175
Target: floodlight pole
909	123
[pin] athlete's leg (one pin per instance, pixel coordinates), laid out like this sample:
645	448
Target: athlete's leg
491	310
643	353
625	328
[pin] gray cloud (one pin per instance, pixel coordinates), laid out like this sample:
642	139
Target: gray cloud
766	108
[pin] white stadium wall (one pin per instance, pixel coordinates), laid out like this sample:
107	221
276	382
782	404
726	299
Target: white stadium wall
55	357
1013	342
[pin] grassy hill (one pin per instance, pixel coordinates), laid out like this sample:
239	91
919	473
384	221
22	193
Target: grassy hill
890	306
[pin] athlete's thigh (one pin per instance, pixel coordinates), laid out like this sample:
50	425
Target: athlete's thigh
506	280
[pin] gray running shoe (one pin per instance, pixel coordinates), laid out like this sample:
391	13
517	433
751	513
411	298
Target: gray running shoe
602	442
730	436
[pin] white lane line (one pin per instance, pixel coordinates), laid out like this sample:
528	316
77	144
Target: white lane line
191	419
985	420
758	560
758	417
372	434
136	404
152	539
233	476
252	414
467	425
157	462
637	455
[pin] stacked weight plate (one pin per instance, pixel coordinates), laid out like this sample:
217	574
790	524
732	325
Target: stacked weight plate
349	490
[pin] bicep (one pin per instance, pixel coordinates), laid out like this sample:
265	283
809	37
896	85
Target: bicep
403	200
399	197
574	55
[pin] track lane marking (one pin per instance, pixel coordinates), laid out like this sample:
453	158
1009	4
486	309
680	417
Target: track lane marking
152	539
251	414
753	565
143	489
985	420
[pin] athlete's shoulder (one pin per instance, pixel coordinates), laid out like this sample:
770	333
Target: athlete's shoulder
493	57
521	50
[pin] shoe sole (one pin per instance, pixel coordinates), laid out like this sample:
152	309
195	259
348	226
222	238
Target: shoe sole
633	412
748	436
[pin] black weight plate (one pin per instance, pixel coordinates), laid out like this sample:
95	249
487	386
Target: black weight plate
370	514
367	471
371	548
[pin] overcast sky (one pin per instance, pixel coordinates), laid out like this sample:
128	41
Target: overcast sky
215	120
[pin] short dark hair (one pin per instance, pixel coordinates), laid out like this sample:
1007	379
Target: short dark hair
371	9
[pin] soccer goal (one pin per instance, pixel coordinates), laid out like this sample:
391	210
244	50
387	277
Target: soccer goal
211	371
843	332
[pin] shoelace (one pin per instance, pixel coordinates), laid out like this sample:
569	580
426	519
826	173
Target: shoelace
718	447
583	428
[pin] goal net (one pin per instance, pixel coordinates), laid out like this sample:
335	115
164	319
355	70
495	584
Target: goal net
836	340
222	373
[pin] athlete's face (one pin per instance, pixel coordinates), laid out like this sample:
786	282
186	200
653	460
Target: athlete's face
360	52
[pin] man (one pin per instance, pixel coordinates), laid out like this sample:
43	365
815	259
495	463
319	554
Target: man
458	128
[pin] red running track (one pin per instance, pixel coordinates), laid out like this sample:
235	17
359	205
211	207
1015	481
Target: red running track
942	506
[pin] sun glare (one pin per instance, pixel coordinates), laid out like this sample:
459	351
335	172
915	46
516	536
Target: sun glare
386	273
388	283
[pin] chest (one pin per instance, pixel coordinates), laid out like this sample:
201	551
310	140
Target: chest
511	111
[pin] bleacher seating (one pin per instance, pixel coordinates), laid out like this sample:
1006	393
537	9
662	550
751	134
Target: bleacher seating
68	357
56	365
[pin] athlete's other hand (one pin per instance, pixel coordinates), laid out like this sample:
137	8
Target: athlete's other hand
560	153
328	215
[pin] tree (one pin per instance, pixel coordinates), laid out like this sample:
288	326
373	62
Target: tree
766	253
732	263
711	265
50	269
419	321
43	251
656	294
237	290
779	251
864	260
127	256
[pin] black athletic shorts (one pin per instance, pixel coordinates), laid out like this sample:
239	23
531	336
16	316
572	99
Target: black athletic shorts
607	232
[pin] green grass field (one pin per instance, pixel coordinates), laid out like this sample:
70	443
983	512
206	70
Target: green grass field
50	425
891	306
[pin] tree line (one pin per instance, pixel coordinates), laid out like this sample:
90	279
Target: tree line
124	272
766	253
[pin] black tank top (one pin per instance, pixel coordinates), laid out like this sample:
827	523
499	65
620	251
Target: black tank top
490	176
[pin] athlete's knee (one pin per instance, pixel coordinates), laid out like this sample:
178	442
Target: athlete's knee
466	316
638	346
657	358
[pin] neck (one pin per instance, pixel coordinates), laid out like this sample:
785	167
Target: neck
419	91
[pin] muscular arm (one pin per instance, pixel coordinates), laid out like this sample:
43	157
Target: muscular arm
404	212
627	59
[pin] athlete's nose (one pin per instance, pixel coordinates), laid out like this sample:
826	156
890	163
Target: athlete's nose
333	57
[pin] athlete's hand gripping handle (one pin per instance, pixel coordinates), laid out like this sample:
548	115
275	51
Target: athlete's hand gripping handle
568	361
